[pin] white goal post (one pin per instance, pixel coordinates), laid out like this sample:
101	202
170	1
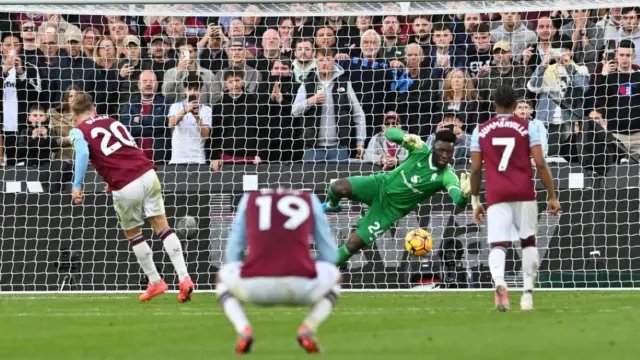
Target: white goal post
142	60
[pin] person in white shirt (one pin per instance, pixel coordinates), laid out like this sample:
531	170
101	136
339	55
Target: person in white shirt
190	122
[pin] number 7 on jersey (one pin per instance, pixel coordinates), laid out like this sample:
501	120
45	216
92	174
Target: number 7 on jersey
509	143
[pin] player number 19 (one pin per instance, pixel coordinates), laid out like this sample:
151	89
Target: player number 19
296	215
509	143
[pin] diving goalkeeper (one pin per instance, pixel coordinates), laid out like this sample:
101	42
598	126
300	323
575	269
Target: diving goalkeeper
392	195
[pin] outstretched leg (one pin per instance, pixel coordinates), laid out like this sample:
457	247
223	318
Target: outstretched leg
530	263
337	190
348	249
173	248
144	255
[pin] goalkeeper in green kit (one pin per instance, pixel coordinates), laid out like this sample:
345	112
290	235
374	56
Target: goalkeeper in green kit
393	195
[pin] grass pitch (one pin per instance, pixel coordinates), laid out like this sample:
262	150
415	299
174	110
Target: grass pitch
370	326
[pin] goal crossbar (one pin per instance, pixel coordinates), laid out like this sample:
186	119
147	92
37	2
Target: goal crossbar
294	7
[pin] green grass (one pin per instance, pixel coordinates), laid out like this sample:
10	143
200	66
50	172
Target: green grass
394	326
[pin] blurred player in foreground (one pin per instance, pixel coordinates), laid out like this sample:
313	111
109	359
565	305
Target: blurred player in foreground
137	192
505	143
274	226
392	195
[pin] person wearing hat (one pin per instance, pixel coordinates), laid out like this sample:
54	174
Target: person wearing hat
236	53
161	57
502	72
129	67
383	152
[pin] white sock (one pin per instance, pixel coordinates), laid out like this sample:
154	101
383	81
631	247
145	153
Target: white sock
321	310
173	248
497	258
145	259
233	309
530	265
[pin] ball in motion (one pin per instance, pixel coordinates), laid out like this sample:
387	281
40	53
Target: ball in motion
418	242
187	227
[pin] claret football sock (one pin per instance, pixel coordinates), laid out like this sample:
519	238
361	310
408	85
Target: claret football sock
173	248
145	258
343	255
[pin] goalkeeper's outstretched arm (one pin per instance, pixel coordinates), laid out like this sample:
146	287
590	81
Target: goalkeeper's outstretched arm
408	141
458	189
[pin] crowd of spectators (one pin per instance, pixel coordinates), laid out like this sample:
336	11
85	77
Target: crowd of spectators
216	90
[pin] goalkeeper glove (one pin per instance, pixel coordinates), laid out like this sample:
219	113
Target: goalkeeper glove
413	140
465	183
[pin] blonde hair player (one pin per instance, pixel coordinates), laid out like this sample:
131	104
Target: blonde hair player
137	193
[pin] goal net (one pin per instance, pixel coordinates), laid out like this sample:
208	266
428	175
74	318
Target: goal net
298	94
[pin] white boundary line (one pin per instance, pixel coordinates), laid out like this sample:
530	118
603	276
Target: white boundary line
108	292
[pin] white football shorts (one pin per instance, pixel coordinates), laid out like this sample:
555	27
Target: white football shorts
140	199
512	221
288	290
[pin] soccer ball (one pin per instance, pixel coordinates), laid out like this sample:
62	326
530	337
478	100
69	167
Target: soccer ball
418	242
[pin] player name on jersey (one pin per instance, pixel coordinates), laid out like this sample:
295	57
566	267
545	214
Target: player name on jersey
503	123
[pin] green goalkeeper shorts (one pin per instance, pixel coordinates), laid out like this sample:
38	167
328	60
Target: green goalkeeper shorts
381	215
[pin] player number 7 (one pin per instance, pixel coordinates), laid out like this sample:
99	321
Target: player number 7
509	143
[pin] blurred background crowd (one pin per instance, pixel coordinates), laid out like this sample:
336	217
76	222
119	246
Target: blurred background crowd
217	90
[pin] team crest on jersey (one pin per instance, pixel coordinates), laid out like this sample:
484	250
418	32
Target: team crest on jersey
433	177
415	179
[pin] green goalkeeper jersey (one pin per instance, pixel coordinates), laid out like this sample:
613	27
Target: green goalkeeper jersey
417	178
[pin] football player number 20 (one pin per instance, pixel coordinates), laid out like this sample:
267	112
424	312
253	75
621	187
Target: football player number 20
117	130
295	208
509	143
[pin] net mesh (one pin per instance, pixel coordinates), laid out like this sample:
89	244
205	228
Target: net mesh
252	70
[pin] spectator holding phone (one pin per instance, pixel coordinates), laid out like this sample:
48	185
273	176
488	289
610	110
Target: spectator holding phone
452	122
211	49
381	151
190	121
188	64
618	98
130	68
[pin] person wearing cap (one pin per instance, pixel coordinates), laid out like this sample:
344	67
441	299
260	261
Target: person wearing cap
236	52
129	67
560	84
515	33
161	57
383	152
188	63
502	72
